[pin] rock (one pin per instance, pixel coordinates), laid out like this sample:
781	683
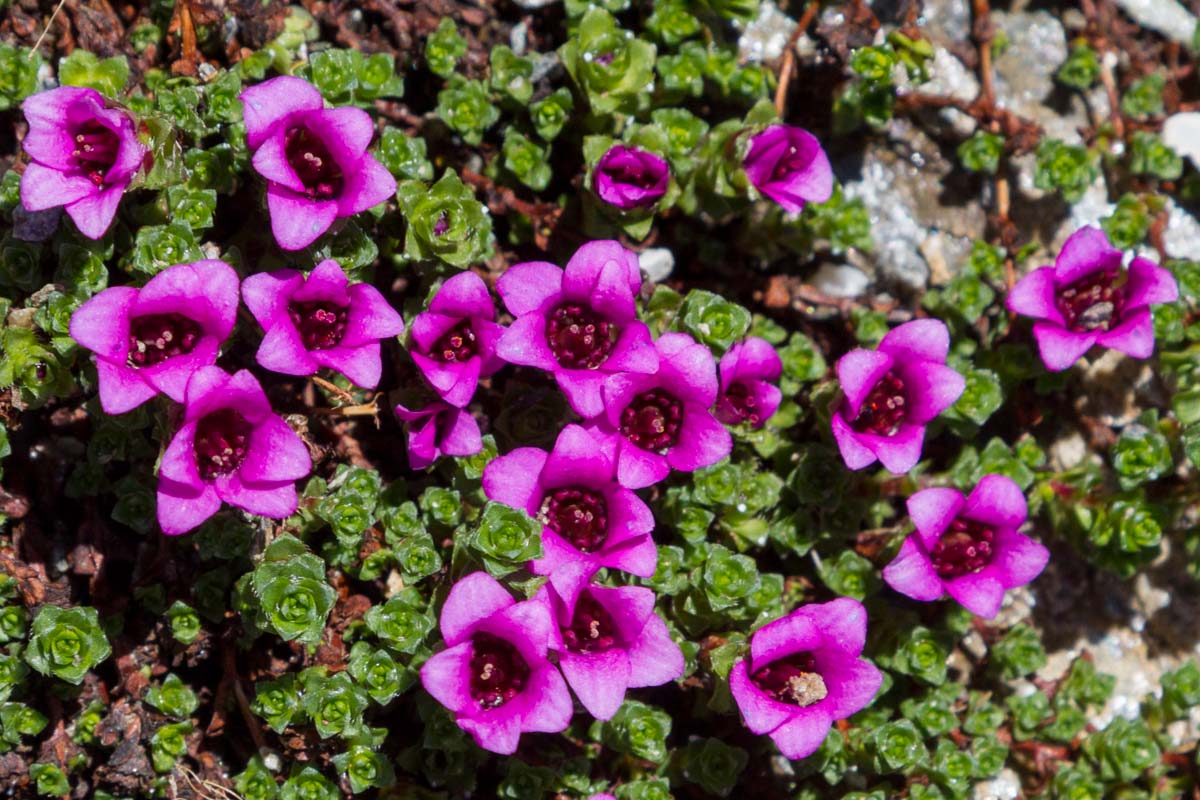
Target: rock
1181	239
909	192
766	35
1024	72
840	280
946	22
531	5
1181	133
1167	17
947	77
1005	786
518	39
656	263
35	226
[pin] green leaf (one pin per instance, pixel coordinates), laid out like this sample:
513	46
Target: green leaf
81	68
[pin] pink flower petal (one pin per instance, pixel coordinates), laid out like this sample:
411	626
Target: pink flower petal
997	500
599	679
842	623
858	371
512	479
472	599
912	574
270	102
93	214
1034	296
855	454
362	364
1148	283
1059	347
637	468
43	188
1018	559
932	510
1087	251
267	295
654	659
296	221
464	295
447	676
919	340
703	441
274	500
276	453
524	342
1134	336
791	634
980	593
102	323
803	734
526	287
760	713
180	508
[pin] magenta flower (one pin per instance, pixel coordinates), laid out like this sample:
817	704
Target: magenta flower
152	339
589	520
230	448
578	323
494	675
609	642
314	159
320	321
83	152
1086	299
788	165
628	177
892	393
748	394
968	547
437	430
659	422
804	673
455	340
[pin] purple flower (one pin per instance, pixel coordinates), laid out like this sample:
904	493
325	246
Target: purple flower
578	323
152	339
320	321
315	159
658	422
892	393
609	642
83	155
231	447
628	177
436	430
968	547
589	521
494	675
788	165
455	340
804	673
747	394
1086	299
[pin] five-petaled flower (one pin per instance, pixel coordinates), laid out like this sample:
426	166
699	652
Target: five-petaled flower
609	642
788	165
83	152
804	673
230	448
314	159
320	321
967	547
629	177
589	521
438	429
152	339
1086	299
748	394
494	674
578	323
658	422
455	340
892	393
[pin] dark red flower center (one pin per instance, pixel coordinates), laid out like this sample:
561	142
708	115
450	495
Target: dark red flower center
592	629
791	162
633	173
313	163
792	679
1092	303
604	59
579	337
652	421
884	409
966	547
578	515
156	337
96	150
744	403
221	441
456	344
498	672
321	324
